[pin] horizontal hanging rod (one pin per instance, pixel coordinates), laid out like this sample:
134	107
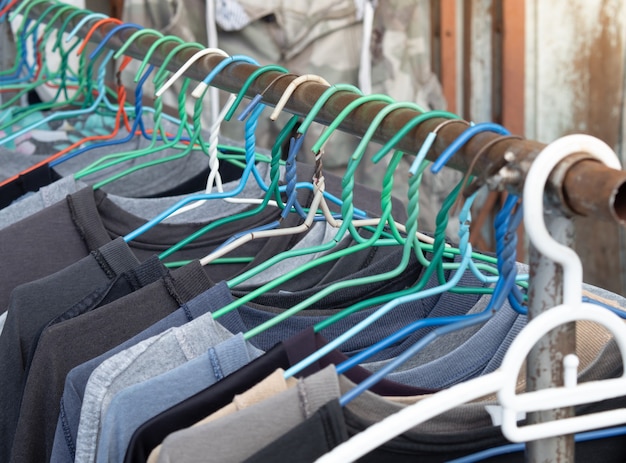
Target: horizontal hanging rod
579	185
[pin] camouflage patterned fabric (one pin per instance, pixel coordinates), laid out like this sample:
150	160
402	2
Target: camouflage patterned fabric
322	37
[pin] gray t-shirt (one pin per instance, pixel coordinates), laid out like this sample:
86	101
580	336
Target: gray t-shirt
165	390
34	305
138	363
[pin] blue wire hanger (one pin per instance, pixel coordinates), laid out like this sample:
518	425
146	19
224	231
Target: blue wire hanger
250	147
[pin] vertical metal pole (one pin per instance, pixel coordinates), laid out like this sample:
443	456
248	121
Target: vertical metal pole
545	361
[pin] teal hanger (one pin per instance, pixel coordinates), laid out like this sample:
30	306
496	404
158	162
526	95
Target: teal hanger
214	178
272	192
326	258
418	293
250	160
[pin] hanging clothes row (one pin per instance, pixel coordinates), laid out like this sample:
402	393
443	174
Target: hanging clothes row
169	294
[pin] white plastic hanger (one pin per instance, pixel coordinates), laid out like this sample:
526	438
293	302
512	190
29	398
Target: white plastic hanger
503	380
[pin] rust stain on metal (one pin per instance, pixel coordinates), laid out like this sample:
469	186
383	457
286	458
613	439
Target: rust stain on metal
598	70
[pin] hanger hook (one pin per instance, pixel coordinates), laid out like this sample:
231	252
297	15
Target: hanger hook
82	22
377	121
50	24
199	54
462	139
91	31
257	99
248	82
202	86
534	222
110	34
127	43
321	142
20	7
291	88
158	42
321	101
158	77
134	37
417	120
63	29
319	104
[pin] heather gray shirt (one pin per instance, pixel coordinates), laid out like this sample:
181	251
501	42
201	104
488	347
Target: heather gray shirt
149	358
136	404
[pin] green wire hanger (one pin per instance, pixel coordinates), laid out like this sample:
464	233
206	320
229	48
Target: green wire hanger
158	132
214	178
411	244
19	43
439	249
88	105
347	210
317	201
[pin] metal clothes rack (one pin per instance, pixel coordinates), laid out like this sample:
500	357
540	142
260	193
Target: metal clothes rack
578	186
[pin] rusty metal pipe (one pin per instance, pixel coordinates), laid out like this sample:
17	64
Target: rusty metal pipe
591	189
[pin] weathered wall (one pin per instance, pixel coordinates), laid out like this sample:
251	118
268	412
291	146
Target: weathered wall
543	69
575	84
